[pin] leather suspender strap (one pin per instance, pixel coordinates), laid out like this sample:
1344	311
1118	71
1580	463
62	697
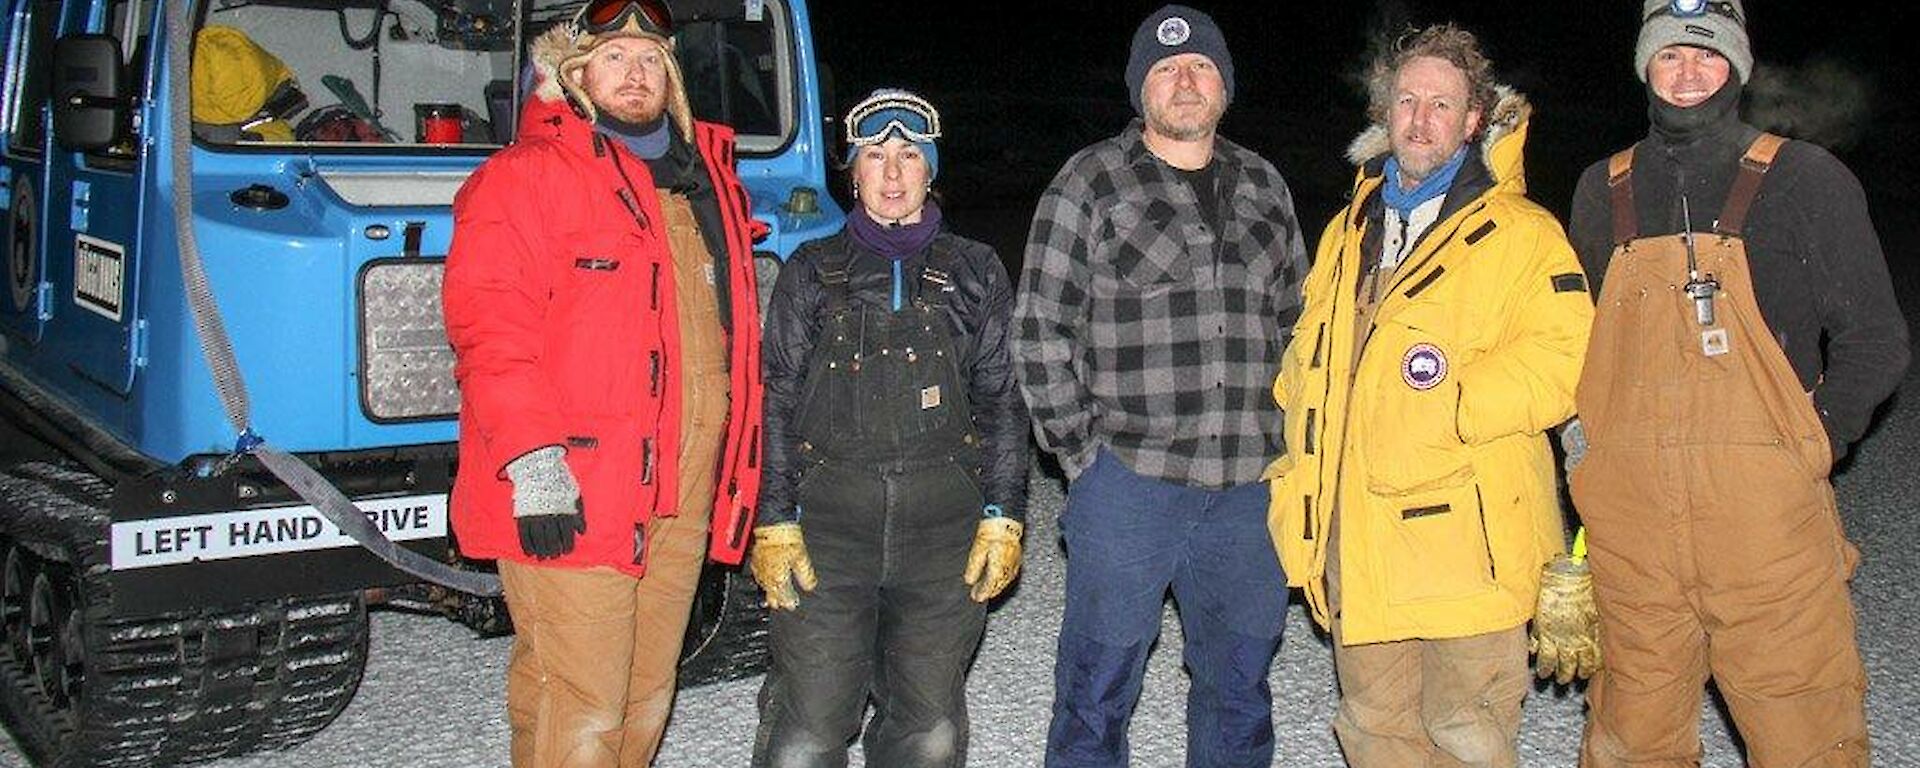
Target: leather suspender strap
1753	168
1626	225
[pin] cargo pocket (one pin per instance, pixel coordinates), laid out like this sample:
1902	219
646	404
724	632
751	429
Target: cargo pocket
811	470
606	456
596	299
967	492
1413	437
1439	544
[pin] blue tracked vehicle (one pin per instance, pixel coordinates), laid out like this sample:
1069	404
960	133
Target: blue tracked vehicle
164	597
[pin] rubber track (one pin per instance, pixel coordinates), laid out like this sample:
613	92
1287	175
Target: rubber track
177	688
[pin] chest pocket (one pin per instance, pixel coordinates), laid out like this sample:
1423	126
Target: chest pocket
609	290
1412	435
1149	244
886	384
1253	253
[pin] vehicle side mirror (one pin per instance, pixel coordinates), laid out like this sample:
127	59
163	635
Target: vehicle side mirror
90	103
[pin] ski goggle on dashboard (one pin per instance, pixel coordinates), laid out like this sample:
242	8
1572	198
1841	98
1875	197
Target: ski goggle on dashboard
890	113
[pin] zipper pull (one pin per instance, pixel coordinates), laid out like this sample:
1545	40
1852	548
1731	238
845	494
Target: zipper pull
633	207
646	461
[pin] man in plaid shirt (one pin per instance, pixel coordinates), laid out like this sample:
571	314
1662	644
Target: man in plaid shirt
1162	281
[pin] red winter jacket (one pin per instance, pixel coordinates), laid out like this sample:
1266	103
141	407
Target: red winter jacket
560	305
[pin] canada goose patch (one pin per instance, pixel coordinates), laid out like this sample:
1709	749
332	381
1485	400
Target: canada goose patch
1423	367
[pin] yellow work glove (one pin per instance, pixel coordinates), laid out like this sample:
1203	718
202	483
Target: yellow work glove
1565	638
779	562
995	558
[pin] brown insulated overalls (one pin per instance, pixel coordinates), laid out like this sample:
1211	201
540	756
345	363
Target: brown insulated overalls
591	678
1715	544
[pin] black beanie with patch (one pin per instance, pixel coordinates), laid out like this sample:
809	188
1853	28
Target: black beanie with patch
1170	31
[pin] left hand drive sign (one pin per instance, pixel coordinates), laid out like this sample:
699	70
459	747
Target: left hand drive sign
248	533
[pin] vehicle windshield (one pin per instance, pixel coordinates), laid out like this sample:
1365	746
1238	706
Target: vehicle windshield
339	75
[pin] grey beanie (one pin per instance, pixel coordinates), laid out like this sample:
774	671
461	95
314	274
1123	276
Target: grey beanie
1717	24
1170	31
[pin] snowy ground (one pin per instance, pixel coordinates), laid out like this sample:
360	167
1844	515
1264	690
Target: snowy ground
433	694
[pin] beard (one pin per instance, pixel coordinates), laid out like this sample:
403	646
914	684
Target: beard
646	108
1417	166
1419	162
1186	125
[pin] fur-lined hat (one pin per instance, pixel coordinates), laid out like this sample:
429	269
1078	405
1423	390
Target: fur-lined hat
565	48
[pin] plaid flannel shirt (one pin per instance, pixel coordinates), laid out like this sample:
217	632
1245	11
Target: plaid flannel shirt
1141	329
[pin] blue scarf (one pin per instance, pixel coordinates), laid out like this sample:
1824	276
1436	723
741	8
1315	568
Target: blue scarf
647	141
1404	201
897	242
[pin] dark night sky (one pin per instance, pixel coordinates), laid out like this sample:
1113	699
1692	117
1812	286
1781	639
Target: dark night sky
1022	85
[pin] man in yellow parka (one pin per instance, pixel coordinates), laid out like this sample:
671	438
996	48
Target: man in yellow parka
1446	318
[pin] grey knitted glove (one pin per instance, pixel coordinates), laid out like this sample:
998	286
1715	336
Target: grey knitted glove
546	502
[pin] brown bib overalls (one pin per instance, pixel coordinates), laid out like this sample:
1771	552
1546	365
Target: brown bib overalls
1715	544
591	678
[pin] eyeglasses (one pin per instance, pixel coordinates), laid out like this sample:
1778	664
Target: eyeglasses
1693	9
599	17
887	113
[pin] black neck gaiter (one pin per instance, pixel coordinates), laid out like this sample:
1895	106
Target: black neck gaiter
1680	126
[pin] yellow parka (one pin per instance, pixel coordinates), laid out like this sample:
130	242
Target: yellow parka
1432	447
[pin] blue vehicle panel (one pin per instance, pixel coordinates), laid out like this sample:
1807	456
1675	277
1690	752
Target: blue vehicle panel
321	220
23	172
288	279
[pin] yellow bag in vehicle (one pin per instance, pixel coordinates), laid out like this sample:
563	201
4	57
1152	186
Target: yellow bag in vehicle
234	81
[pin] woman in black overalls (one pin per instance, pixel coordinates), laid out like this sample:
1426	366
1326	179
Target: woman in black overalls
897	440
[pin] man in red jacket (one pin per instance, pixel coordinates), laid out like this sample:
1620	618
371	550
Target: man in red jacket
600	296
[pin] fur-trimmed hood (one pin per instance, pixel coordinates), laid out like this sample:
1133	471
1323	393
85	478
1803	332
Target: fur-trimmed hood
1501	142
547	52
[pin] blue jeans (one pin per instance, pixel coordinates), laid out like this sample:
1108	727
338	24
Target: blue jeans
1130	538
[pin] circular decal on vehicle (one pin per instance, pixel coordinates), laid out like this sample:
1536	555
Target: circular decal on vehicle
1423	367
23	264
1172	31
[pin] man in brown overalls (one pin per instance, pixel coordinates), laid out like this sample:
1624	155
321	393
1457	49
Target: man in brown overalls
600	297
1745	330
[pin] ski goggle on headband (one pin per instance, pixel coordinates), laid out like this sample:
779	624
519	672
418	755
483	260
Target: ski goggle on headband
599	17
892	113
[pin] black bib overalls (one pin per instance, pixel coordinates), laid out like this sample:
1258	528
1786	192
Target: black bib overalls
889	502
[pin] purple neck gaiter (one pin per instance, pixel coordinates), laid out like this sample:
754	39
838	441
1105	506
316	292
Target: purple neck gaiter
896	242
